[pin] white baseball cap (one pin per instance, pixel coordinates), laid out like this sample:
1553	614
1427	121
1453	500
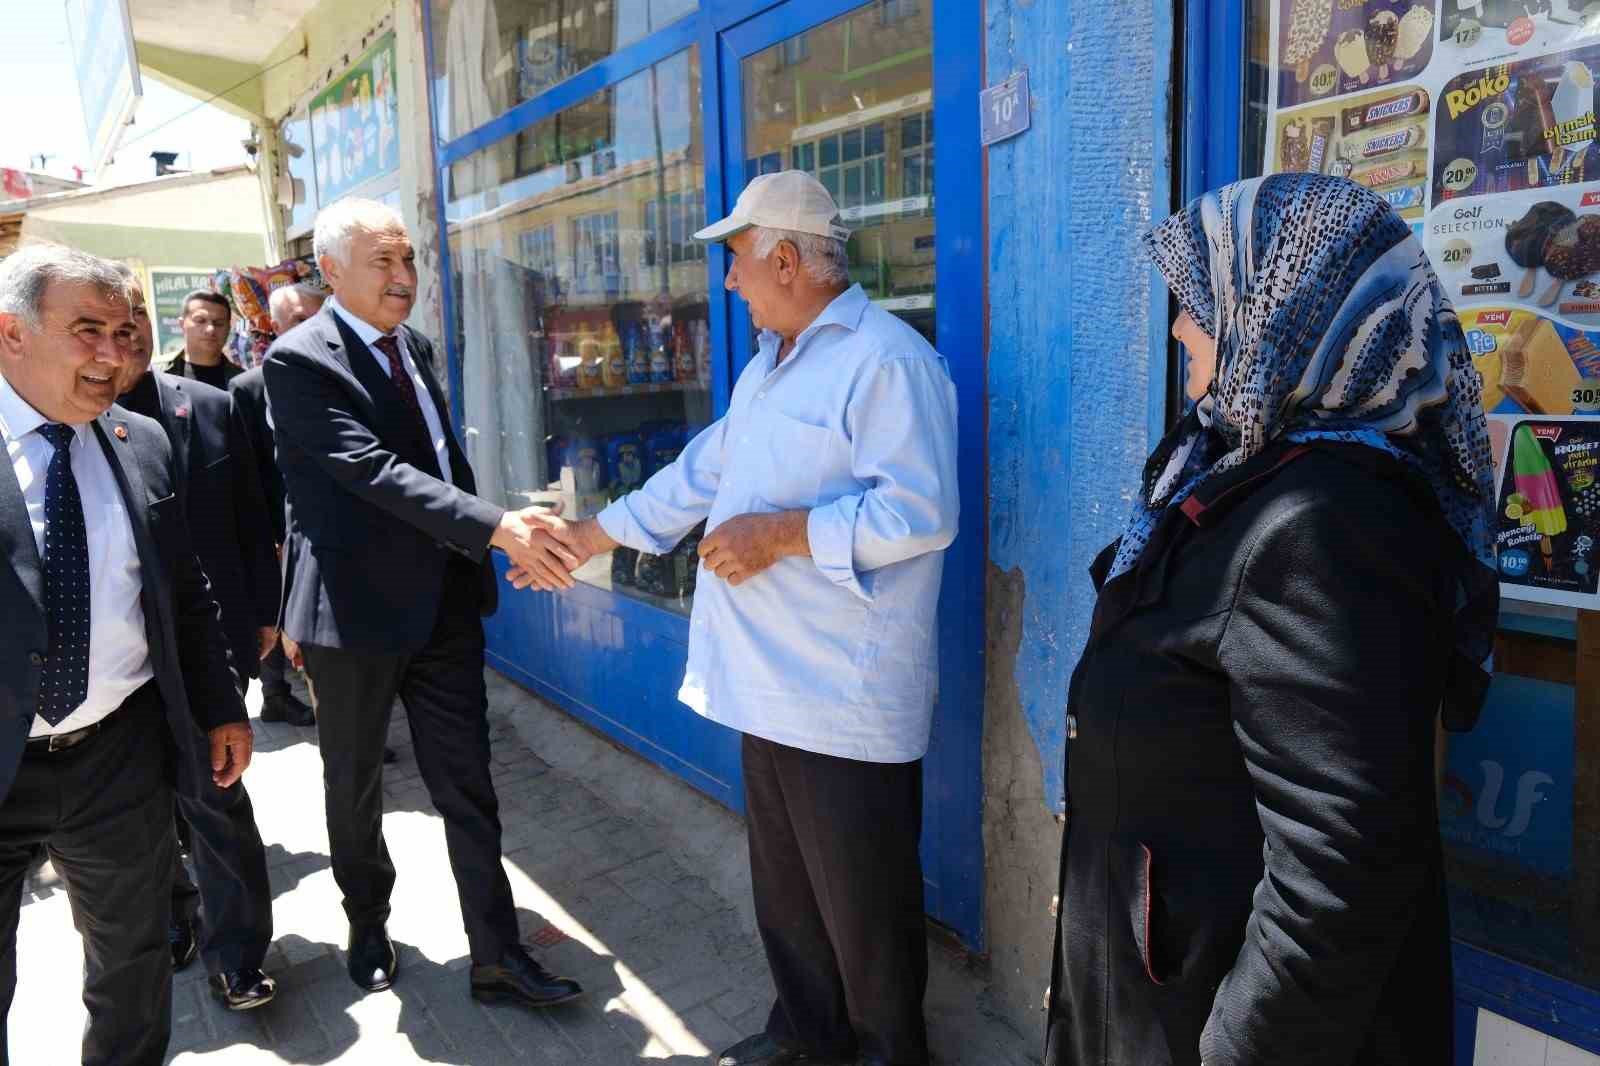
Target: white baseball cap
791	200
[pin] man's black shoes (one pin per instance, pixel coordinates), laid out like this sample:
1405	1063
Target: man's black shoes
243	989
763	1050
185	946
372	959
285	707
518	979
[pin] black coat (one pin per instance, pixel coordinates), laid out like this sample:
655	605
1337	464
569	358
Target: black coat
187	651
248	392
228	515
371	527
1251	870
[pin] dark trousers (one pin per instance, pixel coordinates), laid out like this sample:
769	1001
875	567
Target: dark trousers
837	877
274	673
230	866
103	809
446	705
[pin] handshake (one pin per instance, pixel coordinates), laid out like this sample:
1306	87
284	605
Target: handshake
545	548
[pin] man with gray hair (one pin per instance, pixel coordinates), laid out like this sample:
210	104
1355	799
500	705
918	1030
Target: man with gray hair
386	576
111	647
829	493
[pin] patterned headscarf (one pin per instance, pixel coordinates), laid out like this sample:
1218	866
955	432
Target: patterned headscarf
1330	325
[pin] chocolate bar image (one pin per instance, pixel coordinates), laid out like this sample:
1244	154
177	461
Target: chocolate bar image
1486	272
1402	105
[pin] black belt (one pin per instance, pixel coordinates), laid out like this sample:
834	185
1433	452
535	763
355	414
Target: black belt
55	742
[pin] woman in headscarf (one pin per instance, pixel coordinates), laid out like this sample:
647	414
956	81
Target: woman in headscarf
1251	870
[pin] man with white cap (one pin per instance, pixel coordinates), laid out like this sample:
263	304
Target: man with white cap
829	492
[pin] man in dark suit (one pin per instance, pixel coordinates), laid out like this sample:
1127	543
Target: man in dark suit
113	666
228	522
290	306
386	579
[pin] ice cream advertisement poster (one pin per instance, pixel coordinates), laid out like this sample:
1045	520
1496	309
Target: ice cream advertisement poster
1547	516
1485	31
1330	47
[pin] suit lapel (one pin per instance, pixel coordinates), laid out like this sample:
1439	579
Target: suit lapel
16	536
459	466
114	441
391	406
169	394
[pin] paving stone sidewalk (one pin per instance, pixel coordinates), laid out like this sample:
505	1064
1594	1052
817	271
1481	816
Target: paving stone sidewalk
671	971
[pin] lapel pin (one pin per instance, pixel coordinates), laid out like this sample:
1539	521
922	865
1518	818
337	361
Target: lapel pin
121	432
182	412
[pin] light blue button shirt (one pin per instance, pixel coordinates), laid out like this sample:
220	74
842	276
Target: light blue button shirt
836	654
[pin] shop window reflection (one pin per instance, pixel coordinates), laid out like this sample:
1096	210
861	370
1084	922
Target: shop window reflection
580	307
491	55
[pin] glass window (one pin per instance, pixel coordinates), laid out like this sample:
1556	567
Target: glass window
298	162
490	55
860	107
580	307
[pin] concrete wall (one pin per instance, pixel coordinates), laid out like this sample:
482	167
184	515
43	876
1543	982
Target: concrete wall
334	35
1071	379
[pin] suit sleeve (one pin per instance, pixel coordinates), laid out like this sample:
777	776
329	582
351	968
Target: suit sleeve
1333	699
314	413
253	522
209	677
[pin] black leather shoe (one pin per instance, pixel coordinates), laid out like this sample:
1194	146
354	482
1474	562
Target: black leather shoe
372	960
180	935
287	708
243	989
520	980
763	1050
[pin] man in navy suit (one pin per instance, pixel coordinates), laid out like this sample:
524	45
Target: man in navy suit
386	579
113	667
233	539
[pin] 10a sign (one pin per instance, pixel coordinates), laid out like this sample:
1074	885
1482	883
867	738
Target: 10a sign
1004	109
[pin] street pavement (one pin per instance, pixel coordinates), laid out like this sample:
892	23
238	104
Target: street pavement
672	973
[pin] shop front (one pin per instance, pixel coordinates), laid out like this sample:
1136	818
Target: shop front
579	144
1475	121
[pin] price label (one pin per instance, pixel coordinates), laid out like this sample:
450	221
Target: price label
1457	254
1460	174
1468	33
1324	79
1586	397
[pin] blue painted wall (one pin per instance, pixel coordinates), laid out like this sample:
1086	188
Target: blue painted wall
1074	395
1076	389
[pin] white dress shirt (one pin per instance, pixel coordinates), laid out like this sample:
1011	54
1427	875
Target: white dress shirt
119	651
835	654
369	335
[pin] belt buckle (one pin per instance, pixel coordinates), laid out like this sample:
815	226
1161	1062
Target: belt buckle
63	741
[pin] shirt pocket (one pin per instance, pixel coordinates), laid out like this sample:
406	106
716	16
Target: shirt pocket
791	461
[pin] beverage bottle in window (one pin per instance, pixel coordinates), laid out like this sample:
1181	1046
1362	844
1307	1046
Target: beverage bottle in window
614	370
591	372
683	366
638	355
660	358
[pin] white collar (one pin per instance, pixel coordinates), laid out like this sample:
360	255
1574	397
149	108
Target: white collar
368	333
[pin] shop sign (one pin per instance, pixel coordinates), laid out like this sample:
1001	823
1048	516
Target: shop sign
1004	109
108	72
355	124
168	287
1477	122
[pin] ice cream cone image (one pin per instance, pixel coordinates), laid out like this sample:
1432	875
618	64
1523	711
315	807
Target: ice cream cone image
1536	483
1416	32
1350	52
1572	108
1309	24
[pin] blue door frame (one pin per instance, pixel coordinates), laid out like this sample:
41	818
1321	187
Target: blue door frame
615	663
1213	118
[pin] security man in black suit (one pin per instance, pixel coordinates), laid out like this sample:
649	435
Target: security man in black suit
113	667
232	538
386	577
290	306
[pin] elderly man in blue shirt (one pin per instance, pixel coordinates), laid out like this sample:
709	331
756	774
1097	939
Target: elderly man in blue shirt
829	492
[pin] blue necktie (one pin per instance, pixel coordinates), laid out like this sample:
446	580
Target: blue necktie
64	682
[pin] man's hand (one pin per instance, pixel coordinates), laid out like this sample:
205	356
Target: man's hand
231	747
291	651
581	540
535	552
743	547
266	640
